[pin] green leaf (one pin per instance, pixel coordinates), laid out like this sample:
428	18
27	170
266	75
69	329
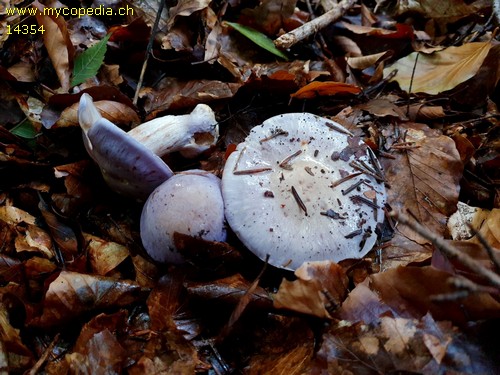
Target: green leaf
24	130
258	38
88	62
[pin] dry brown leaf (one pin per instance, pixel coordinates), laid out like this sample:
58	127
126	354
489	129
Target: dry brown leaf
423	112
184	9
14	355
440	71
174	94
382	107
316	88
229	290
442	12
58	44
72	294
13	215
116	112
423	179
363	62
34	239
22	71
319	289
408	292
399	345
104	256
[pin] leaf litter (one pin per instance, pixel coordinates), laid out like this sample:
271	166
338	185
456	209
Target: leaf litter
79	293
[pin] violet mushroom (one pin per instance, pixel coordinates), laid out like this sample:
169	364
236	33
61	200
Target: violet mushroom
303	188
130	162
127	166
189	203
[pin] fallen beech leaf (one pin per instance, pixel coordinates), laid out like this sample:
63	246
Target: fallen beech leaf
320	289
14	215
440	71
10	268
316	88
104	256
14	355
210	255
62	234
34	239
283	345
395	344
117	113
229	290
363	62
175	94
424	180
382	108
402	31
409	290
71	294
58	43
184	9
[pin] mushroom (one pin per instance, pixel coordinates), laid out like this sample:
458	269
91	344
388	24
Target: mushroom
127	166
189	203
130	162
190	134
303	188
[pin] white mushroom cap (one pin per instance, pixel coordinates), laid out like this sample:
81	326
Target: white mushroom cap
278	194
189	203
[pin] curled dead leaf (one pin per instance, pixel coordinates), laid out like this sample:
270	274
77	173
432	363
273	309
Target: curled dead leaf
319	290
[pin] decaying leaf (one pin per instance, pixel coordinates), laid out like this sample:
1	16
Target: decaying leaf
423	178
116	112
319	290
395	344
440	71
317	88
105	256
72	294
58	43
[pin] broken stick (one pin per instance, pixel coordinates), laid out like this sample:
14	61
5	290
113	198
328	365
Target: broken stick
300	33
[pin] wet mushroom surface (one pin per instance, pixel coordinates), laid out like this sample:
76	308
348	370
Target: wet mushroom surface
303	188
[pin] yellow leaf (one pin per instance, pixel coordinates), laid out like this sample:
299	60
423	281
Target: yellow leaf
440	71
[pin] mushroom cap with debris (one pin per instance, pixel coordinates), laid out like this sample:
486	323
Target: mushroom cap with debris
189	203
303	188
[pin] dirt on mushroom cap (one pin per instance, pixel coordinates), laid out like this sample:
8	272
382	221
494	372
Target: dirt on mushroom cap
289	191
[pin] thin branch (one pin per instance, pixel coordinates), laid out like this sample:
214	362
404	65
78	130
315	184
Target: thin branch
491	253
148	51
300	33
449	250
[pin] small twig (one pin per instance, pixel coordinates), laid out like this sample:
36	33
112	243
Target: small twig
344	179
299	200
242	304
448	249
491	253
148	51
38	365
285	163
300	33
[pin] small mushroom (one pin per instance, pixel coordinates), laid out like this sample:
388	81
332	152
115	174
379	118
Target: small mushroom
189	203
190	134
130	161
127	166
303	188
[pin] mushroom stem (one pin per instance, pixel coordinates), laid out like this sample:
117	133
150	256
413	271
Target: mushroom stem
191	134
